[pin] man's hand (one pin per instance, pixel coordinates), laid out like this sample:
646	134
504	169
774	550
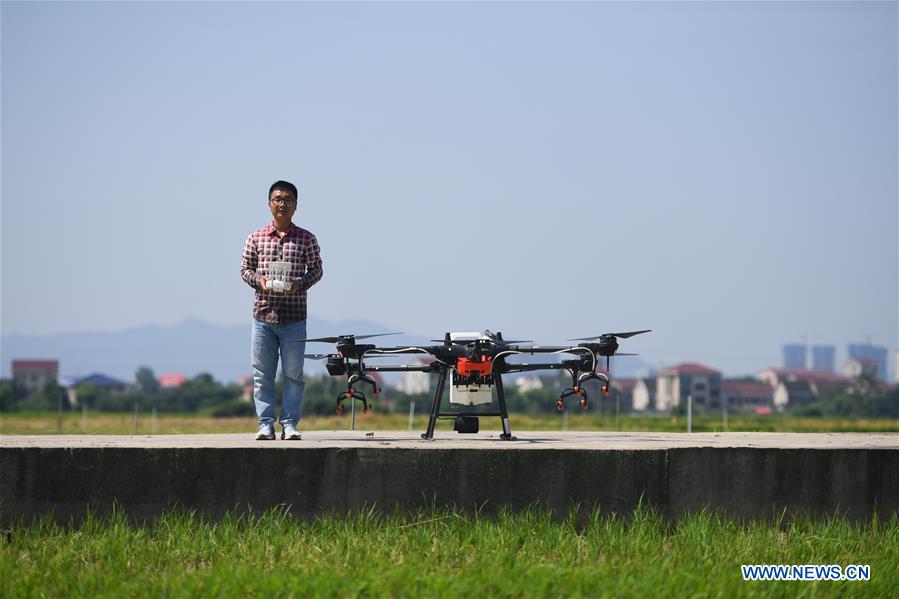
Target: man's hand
263	284
294	286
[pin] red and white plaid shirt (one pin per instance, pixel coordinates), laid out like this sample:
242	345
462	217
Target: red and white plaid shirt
300	248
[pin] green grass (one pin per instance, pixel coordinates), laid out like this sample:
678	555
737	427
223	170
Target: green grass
439	553
44	423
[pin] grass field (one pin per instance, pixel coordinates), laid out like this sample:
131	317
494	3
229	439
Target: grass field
162	424
439	554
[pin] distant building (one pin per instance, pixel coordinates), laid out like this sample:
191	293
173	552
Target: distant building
795	355
823	358
68	383
796	385
794	393
747	395
870	352
623	392
675	384
856	367
644	395
774	376
526	383
415	383
114	386
103	381
246	383
31	375
171	380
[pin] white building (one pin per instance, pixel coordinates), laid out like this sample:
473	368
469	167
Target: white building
415	383
527	383
644	394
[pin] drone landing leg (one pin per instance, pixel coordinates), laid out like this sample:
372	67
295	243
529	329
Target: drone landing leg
504	413
435	406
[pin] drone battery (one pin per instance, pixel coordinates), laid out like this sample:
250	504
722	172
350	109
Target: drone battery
466	424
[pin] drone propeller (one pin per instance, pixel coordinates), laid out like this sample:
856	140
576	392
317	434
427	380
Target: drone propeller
620	335
315	356
354	337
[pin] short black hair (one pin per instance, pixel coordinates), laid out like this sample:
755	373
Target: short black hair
283	186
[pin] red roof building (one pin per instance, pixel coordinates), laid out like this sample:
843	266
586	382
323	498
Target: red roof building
31	375
691	368
775	376
172	380
747	395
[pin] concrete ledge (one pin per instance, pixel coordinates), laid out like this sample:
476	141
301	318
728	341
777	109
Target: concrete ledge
748	475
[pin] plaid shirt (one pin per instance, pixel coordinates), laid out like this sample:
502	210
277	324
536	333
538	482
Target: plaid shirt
300	248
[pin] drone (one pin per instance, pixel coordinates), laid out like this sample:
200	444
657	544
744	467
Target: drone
473	363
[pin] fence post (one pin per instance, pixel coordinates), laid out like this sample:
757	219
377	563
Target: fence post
689	413
724	406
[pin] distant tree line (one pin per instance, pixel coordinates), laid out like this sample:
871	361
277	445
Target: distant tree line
203	394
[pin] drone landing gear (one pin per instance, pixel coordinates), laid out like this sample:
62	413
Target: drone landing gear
353	394
578	389
560	404
470	420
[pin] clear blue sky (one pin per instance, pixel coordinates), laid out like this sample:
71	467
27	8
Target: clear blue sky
723	173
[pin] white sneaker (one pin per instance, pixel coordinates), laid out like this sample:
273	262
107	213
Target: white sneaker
290	432
266	433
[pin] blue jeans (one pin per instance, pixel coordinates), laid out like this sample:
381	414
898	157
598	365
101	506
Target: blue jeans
267	341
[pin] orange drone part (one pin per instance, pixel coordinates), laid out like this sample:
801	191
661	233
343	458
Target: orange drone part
482	367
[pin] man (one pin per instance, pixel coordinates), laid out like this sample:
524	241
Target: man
279	309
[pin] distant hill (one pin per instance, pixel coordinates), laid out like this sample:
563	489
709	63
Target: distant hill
190	347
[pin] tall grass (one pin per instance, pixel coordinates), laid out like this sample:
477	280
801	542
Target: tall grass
439	553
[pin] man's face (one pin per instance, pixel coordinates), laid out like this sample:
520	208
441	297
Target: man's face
282	203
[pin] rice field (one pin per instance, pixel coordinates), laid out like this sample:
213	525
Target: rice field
105	423
439	553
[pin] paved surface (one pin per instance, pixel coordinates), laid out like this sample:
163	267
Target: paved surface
484	440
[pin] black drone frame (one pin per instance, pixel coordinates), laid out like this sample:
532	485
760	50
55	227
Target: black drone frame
480	361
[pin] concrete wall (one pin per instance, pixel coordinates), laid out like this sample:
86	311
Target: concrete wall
744	482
